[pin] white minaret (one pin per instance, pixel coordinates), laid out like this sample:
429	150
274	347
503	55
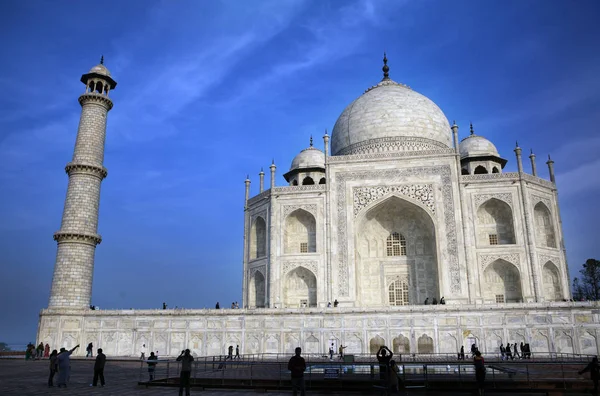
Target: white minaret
78	237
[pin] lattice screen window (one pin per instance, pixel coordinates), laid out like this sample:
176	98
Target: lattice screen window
396	245
493	239
500	298
398	293
303	247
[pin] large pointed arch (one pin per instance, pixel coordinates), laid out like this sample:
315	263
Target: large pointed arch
258	238
395	239
495	223
300	233
544	227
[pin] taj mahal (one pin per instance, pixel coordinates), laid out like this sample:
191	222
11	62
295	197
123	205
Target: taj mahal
394	211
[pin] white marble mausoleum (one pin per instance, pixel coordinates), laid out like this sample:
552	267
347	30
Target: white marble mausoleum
394	211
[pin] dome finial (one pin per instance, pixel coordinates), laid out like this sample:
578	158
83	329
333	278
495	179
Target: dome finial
102	60
472	131
385	68
311	141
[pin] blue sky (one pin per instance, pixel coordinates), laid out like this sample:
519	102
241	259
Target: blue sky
209	91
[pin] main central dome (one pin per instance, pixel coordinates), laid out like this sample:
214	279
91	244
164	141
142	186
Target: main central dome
390	117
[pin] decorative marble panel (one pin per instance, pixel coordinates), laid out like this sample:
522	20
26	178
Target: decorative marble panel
478	199
287	266
513	258
420	193
310	208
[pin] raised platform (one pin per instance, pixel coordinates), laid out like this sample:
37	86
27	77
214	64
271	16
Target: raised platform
569	327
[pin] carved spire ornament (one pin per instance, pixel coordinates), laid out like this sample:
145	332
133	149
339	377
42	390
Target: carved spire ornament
385	68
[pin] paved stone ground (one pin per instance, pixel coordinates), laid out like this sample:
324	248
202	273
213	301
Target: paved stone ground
19	377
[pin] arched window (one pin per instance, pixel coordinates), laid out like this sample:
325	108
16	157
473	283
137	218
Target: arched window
99	87
495	223
544	230
464	171
258	239
308	181
300	233
551	282
395	245
502	282
480	170
322	181
495	170
295	182
398	292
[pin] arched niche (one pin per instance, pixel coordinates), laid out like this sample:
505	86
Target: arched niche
300	288
495	170
502	282
258	238
425	344
551	281
495	223
395	239
375	343
300	233
480	170
322	181
401	344
544	229
256	291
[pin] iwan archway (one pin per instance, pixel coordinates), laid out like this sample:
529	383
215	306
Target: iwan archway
396	255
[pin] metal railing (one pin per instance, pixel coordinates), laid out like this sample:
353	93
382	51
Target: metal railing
418	370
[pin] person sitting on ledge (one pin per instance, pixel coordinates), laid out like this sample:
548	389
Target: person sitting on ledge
427	301
442	301
434	301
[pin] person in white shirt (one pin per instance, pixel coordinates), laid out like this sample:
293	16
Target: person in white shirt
143	351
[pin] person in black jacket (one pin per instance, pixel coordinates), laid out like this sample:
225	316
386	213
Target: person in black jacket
99	368
186	371
297	366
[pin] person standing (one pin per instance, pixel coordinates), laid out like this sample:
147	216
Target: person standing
341	351
384	361
516	351
53	367
151	365
186	371
394	381
461	356
502	351
89	350
297	367
217	306
237	352
47	351
99	368
143	352
230	352
40	351
594	369
64	366
331	352
509	355
479	371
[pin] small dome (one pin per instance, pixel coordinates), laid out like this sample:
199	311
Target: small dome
100	69
309	158
477	146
